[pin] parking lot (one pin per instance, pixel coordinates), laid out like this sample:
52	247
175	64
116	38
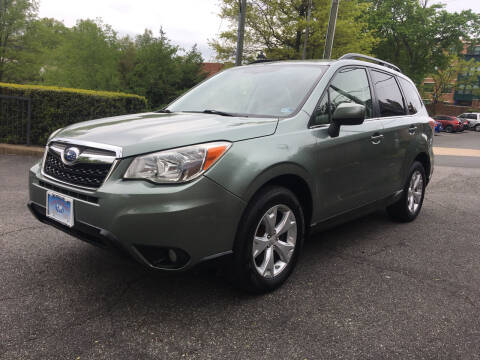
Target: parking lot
370	289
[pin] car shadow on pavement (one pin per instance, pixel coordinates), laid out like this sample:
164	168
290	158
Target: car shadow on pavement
98	270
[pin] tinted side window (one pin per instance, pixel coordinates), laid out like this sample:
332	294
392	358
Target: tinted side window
412	98
389	97
462	116
348	86
472	116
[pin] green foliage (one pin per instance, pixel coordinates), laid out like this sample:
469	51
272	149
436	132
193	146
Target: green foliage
86	58
278	29
443	78
418	37
152	67
15	16
54	107
90	55
39	42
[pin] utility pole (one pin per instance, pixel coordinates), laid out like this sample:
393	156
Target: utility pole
241	32
309	13
332	22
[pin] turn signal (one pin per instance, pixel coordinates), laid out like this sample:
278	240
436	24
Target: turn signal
213	154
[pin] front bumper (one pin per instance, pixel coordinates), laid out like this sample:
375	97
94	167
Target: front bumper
197	220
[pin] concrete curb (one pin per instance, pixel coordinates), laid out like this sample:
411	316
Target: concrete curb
8	149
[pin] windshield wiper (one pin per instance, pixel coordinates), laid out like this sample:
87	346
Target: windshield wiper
217	112
166	111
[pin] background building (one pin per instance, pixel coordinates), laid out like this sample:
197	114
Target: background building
465	95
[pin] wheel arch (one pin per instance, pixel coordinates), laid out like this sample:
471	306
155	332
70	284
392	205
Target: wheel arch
294	182
424	159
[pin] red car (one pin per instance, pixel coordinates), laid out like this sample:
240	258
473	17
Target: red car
449	123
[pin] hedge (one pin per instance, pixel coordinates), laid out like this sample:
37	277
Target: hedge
55	107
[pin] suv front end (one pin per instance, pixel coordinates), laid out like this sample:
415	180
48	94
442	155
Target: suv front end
167	227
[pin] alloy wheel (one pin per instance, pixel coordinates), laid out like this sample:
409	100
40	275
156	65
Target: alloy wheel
415	192
274	241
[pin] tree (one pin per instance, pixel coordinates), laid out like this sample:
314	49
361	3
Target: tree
418	37
41	39
14	17
160	73
457	74
277	28
444	78
87	58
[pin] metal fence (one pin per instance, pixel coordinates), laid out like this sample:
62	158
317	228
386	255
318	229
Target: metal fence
15	119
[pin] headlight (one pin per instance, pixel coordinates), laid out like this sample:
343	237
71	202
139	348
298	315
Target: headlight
176	165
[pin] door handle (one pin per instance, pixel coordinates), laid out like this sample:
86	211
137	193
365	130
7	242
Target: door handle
412	129
376	138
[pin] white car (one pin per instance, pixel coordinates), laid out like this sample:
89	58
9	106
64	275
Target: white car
473	120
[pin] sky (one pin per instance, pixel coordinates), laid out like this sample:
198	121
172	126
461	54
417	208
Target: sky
186	22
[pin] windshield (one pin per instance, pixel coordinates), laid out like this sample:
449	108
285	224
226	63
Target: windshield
272	90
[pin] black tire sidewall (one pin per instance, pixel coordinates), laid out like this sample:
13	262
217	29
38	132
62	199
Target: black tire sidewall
244	269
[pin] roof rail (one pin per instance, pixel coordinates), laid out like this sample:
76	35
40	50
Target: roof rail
375	60
259	61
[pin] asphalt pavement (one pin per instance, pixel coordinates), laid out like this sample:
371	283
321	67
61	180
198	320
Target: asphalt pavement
371	289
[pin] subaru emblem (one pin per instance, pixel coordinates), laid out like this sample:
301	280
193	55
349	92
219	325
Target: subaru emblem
70	155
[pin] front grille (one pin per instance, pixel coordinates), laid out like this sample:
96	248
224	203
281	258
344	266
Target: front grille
74	194
89	175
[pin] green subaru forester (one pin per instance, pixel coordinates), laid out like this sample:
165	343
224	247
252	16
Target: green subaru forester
242	167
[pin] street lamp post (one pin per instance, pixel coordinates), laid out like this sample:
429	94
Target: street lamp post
327	54
309	12
241	32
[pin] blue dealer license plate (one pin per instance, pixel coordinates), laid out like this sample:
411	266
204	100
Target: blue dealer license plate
60	208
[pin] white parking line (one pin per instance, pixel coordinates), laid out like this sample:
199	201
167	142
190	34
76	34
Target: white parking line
456	152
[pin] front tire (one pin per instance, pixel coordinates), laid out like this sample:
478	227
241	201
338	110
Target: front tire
269	240
408	207
449	129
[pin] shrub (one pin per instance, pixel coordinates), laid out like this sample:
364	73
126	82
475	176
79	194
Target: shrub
54	107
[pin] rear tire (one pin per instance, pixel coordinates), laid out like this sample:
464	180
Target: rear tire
477	128
449	129
265	253
408	207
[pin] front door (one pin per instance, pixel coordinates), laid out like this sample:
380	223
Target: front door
348	172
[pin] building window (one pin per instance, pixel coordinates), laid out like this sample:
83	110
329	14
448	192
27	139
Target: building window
448	89
428	87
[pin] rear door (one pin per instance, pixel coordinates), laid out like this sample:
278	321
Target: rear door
397	106
347	166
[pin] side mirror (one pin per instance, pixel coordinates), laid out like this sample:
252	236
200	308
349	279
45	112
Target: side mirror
346	114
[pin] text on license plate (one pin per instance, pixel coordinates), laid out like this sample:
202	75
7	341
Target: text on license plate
60	208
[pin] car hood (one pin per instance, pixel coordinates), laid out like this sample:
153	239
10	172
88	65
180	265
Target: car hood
148	132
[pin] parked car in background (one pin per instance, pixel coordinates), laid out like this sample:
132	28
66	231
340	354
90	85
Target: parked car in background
472	119
465	123
243	166
449	123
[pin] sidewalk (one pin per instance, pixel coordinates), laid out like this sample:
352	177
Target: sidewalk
8	149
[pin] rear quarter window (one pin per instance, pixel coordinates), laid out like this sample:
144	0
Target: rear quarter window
412	98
